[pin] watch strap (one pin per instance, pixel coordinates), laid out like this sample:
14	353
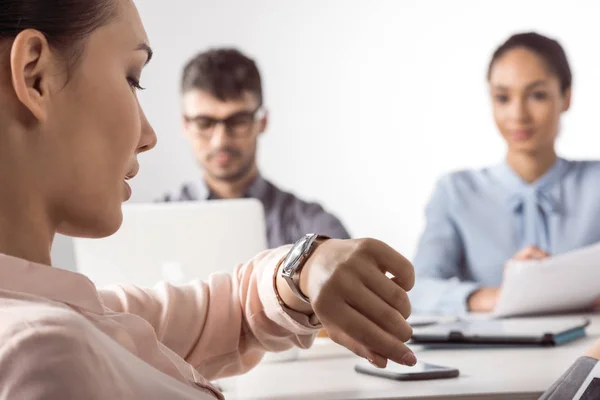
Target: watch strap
294	280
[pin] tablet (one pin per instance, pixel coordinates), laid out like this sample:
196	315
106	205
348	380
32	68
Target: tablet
541	331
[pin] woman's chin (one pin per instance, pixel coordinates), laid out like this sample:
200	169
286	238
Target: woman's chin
525	146
93	227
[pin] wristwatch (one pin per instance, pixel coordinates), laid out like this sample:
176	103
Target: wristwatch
296	259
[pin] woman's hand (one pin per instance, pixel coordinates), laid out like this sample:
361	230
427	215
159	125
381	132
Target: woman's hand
594	351
485	299
359	306
530	253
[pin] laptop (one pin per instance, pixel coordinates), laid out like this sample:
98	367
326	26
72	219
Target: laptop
175	242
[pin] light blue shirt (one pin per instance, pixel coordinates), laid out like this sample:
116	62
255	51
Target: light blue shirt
478	220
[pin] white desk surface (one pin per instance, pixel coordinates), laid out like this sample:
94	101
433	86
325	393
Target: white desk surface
326	372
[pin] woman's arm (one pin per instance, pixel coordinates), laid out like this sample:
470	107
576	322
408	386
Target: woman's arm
222	326
438	260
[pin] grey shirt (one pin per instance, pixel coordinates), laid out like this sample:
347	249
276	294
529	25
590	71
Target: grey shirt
287	217
570	383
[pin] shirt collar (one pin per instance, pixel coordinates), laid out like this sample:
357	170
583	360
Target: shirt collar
258	189
17	275
514	189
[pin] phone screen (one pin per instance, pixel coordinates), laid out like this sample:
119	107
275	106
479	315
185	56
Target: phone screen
421	370
418	368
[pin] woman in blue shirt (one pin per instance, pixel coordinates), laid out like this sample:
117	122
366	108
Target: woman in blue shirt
531	205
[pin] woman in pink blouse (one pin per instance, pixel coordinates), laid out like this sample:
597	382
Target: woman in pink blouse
71	128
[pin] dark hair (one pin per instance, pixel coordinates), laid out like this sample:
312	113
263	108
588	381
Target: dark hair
224	73
549	49
64	23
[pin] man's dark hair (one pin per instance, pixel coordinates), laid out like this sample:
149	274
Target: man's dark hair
224	73
549	49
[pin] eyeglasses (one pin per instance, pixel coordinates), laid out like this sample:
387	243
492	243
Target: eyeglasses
238	125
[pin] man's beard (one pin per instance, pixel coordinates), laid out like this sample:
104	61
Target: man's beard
236	175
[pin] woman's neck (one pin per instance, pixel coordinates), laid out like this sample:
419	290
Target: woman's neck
25	244
26	237
26	229
531	166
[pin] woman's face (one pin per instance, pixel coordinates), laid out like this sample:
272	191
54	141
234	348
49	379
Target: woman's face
527	101
93	128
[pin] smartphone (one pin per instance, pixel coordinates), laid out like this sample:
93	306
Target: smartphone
421	371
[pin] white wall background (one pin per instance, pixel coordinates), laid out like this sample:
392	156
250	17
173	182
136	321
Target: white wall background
370	101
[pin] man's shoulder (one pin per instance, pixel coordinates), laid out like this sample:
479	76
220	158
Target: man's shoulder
301	215
307	210
292	202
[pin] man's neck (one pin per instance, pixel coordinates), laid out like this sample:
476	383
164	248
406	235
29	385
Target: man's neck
532	166
231	189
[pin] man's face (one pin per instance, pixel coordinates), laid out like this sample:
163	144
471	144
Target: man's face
223	134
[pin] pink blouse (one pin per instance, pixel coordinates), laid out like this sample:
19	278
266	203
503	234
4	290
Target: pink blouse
61	338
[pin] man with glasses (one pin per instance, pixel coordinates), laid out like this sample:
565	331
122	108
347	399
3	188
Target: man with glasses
223	115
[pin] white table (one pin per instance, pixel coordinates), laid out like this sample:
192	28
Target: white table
326	372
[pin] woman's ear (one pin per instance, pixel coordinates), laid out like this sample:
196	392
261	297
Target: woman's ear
32	69
566	100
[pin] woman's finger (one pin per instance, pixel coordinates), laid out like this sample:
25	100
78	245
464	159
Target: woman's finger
523	254
385	316
530	253
389	290
368	334
389	260
537	254
358	349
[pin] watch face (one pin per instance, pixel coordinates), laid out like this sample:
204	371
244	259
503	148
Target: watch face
294	255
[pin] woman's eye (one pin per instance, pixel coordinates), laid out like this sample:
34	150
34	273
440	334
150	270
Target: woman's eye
540	95
134	83
501	98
